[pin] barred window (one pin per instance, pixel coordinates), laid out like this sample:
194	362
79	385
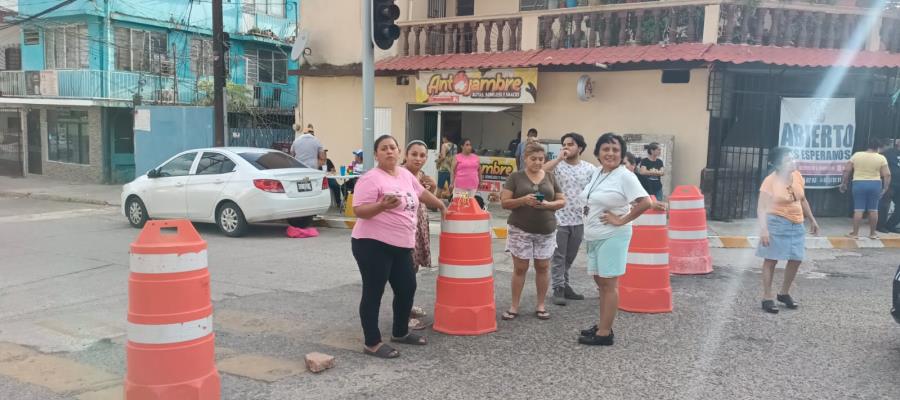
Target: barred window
201	57
68	140
138	50
268	66
66	47
268	7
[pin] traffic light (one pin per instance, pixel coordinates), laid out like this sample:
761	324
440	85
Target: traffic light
384	30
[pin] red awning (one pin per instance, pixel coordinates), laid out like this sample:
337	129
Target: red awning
799	57
728	53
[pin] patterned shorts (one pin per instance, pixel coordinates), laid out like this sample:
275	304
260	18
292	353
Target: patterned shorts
530	246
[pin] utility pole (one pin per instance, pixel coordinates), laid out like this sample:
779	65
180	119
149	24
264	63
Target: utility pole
368	80
218	76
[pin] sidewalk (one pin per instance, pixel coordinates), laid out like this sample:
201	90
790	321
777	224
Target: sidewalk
42	188
735	234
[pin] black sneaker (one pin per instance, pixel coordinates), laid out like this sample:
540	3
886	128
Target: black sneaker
559	297
571	295
769	307
788	301
589	331
595	340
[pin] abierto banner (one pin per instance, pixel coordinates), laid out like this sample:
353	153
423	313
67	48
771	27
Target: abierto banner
492	86
820	133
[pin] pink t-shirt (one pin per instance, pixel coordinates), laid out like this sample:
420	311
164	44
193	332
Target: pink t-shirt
396	227
467	169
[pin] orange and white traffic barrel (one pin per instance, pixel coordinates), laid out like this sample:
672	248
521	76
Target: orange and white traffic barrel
171	345
645	287
688	240
464	303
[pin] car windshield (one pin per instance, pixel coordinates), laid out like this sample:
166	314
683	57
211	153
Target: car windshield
271	160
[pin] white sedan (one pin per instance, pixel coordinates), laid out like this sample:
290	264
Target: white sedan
231	187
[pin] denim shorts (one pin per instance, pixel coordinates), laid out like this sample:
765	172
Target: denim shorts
606	258
787	240
866	195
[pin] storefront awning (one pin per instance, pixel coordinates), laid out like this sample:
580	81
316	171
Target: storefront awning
464	108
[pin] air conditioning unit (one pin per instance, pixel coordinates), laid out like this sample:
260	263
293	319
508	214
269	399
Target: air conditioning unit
165	96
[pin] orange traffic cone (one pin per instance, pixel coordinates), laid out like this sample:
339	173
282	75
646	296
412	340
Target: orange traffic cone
645	287
464	303
688	243
171	345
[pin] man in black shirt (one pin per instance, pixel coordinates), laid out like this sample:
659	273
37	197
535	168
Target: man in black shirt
885	223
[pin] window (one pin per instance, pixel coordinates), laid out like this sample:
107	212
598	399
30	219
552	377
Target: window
214	163
66	47
529	5
68	140
465	8
138	50
179	166
31	36
12	57
271	160
269	66
201	57
269	7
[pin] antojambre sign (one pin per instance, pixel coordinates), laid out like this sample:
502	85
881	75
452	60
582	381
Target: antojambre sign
820	133
503	86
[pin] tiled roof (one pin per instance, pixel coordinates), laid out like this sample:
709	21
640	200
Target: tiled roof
729	53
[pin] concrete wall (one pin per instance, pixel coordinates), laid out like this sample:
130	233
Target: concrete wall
334	106
93	172
628	102
494	7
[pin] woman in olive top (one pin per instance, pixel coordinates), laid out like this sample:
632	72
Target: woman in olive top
533	196
871	180
781	209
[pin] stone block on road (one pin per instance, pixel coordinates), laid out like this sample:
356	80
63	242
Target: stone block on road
260	368
318	362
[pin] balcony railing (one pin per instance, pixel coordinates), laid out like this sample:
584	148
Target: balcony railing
791	25
461	35
797	23
626	24
123	85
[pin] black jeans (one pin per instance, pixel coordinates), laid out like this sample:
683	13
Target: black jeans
380	263
892	195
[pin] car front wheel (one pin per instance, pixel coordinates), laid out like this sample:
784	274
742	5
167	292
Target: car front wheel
136	212
231	220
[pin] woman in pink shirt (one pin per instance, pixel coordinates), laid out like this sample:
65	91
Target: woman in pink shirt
466	171
386	202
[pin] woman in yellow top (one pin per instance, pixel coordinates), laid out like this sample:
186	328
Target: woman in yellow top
871	180
781	210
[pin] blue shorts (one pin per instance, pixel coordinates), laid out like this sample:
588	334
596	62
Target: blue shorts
443	179
866	195
787	240
606	258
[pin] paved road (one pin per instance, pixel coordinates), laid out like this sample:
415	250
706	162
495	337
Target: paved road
63	297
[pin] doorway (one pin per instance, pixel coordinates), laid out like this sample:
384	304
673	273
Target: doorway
121	132
35	148
10	143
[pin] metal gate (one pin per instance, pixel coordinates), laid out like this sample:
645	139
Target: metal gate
745	106
11	162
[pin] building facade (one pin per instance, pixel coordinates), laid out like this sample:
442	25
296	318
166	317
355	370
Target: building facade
85	67
704	78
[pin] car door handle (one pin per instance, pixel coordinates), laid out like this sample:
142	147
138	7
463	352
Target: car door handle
179	184
219	181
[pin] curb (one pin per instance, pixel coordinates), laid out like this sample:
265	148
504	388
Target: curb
54	197
718	242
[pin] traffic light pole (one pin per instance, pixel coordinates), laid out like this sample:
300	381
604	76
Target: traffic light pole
218	76
368	83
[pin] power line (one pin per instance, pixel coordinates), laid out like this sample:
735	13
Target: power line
38	15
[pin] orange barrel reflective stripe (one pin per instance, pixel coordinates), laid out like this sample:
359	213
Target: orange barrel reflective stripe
464	303
645	287
688	241
171	346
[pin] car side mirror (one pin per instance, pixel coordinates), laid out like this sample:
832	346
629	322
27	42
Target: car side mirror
153	173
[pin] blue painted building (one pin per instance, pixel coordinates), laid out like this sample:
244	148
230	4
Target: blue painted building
86	65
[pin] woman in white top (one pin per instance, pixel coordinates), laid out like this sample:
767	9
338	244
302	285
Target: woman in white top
607	229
